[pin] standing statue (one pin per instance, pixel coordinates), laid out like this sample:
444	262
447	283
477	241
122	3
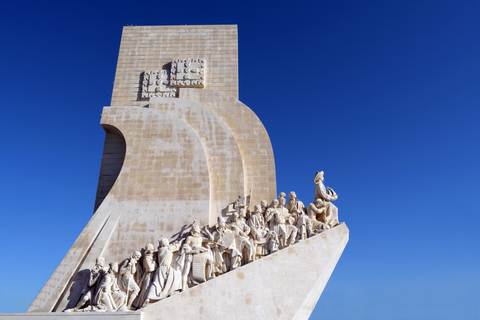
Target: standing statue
196	239
326	195
210	263
194	256
241	231
259	232
257	225
290	219
294	205
263	205
128	272
225	253
270	213
184	263
304	225
149	267
166	279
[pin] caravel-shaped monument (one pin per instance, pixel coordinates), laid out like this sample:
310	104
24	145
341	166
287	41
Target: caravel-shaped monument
186	166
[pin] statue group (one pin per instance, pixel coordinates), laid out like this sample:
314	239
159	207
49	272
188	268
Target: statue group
203	253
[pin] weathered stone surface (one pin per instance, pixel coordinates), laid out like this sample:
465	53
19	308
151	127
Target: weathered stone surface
71	316
152	47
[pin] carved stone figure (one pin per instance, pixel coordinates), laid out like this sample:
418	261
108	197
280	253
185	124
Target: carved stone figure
272	244
316	213
259	231
109	295
149	267
209	263
326	195
241	231
185	263
166	280
128	272
194	257
258	227
195	239
304	226
90	290
290	228
263	205
225	253
294	205
270	213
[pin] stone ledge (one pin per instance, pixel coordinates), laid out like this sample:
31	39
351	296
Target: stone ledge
71	316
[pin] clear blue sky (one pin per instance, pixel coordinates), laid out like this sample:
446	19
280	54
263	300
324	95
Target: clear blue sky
381	95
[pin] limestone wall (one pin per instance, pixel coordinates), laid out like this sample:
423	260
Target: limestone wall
151	47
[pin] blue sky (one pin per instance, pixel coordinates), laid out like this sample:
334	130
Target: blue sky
381	95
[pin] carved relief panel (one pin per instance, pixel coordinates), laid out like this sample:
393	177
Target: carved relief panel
188	73
156	83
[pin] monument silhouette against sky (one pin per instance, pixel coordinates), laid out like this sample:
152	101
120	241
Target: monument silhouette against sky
179	207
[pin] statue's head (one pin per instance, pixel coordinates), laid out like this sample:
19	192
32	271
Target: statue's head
195	230
282	201
221	222
100	262
275	203
257	208
149	248
242	213
136	255
292	195
235	216
282	195
318	177
264	203
163	242
318	203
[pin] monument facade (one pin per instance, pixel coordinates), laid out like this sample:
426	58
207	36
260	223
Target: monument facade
187	220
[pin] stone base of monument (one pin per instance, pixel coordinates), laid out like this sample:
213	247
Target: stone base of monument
283	285
73	316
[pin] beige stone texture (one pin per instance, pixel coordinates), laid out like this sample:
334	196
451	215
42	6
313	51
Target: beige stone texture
73	316
152	47
251	137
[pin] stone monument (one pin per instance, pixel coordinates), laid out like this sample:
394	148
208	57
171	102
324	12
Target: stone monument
182	228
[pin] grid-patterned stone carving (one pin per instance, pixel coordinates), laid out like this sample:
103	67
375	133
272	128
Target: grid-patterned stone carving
188	73
156	83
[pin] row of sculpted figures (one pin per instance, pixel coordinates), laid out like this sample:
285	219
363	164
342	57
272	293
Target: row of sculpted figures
202	253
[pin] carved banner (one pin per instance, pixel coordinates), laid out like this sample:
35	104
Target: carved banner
198	266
